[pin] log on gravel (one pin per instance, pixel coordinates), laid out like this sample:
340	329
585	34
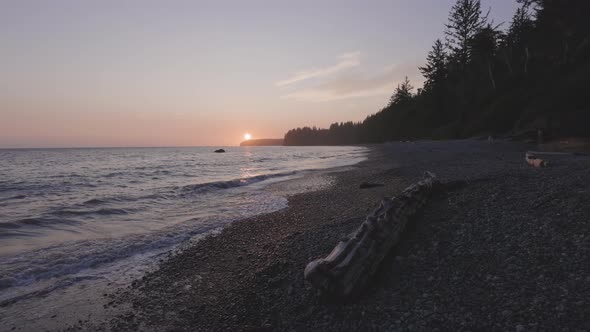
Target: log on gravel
356	258
533	160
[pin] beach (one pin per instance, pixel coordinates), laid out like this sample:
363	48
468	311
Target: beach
503	246
295	166
77	223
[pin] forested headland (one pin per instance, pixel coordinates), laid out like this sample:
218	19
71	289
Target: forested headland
263	142
483	78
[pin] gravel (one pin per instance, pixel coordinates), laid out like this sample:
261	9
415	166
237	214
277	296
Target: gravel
503	247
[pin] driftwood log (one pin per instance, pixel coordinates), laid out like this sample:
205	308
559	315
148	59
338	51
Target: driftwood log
352	262
533	160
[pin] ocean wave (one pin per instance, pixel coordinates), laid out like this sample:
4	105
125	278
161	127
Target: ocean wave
116	210
36	221
168	193
8	225
120	199
61	176
58	218
114	174
95	201
67	260
15	197
220	185
100	212
22	186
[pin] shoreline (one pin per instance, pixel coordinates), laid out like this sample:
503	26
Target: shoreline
56	303
503	248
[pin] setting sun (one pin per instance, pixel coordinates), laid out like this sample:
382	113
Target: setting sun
247	136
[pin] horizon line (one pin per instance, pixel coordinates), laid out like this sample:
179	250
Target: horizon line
115	147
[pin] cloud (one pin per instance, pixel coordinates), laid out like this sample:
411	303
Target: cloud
346	61
360	85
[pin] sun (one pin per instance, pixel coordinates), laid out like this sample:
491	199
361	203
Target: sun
247	136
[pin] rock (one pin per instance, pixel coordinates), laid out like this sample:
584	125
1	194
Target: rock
367	185
219	151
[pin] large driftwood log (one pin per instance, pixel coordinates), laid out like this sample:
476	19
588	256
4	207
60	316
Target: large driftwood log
352	262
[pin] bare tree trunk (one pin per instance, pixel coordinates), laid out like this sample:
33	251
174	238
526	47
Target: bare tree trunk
581	46
526	60
491	74
508	64
352	262
566	49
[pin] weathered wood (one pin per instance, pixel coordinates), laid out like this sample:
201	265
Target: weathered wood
535	161
352	262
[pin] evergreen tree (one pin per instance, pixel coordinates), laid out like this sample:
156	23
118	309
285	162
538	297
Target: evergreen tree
517	39
484	46
521	26
465	21
402	94
435	70
485	80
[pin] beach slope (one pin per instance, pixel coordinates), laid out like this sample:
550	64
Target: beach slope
504	246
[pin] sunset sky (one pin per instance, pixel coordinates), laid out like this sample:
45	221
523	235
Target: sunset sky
177	73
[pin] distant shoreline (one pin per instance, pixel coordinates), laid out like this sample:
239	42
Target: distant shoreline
263	142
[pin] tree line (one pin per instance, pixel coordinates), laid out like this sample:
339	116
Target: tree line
481	79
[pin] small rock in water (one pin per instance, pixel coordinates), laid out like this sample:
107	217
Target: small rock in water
366	185
219	151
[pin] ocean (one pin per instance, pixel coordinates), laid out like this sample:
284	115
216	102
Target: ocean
70	215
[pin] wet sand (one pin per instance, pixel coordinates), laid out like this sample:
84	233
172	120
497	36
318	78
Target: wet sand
504	247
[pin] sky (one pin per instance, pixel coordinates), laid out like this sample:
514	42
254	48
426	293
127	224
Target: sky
78	73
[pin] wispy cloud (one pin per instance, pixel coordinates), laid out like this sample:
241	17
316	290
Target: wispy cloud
351	86
346	61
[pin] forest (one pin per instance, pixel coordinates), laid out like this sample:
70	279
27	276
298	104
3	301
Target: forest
482	79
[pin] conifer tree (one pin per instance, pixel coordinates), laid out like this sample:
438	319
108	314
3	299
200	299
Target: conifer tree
435	70
465	21
402	94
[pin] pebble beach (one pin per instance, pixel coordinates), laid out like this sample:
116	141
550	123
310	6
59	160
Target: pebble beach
504	246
